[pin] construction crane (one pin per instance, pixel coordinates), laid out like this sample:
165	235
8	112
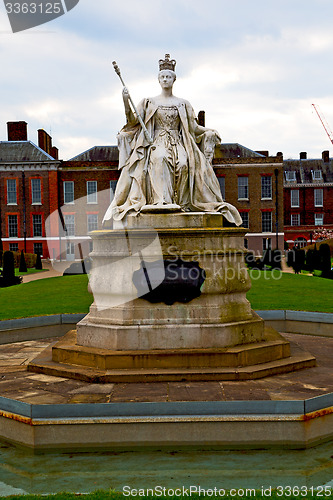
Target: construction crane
323	122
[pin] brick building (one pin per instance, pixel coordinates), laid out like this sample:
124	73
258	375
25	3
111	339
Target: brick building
28	179
308	197
50	206
253	183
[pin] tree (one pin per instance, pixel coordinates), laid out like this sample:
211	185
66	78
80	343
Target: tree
23	265
325	258
8	274
39	264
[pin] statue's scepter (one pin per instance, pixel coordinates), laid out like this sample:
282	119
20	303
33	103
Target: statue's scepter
144	128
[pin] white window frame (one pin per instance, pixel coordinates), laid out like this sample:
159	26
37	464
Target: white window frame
113	185
264	222
245	187
290	175
36	191
69	220
92	195
267	188
12	225
317	175
245	222
318	197
66	184
222	186
294	198
90	223
11	192
318	219
36	224
295	220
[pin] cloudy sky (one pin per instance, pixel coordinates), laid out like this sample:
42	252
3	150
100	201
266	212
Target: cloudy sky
254	66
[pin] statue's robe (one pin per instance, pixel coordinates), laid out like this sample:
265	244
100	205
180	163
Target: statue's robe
131	191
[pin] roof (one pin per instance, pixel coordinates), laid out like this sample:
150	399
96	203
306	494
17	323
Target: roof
304	171
15	151
110	153
98	153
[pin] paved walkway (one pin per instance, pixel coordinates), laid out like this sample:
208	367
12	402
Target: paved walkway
17	383
49	272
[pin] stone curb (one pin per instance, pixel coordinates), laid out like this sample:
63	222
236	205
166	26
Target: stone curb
59	319
55	319
167	409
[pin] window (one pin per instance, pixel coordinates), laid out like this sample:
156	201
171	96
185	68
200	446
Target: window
317	175
222	186
266	244
243	188
36	192
68	192
266	222
91	246
37	226
12	226
91	191
245	218
13	247
295	219
38	248
318	197
70	224
290	175
300	242
294	198
266	187
246	243
319	219
11	192
113	185
92	222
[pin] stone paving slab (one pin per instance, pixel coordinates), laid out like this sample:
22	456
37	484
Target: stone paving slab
17	383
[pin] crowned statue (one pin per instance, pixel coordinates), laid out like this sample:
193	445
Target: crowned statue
165	157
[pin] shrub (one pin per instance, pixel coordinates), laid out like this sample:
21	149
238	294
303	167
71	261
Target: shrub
23	265
38	264
325	259
8	274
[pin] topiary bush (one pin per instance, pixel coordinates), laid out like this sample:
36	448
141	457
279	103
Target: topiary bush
325	260
23	265
8	274
38	264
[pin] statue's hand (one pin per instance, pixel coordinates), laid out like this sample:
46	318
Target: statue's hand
125	95
213	136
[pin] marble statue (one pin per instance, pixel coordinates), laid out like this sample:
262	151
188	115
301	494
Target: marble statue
165	157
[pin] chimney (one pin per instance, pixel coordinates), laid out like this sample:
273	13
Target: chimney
303	155
326	156
54	152
44	141
201	118
17	131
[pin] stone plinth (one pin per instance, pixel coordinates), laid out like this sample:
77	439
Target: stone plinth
220	317
215	336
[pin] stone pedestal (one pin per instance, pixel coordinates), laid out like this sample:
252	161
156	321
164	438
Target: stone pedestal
214	336
220	317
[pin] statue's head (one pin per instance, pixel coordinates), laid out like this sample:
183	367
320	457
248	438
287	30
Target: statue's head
167	69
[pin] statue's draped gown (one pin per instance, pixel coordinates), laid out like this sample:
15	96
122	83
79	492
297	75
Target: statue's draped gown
172	170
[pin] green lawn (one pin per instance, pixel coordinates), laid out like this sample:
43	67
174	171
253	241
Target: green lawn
291	291
68	294
64	294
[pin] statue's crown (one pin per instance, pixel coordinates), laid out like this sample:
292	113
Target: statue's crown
166	63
